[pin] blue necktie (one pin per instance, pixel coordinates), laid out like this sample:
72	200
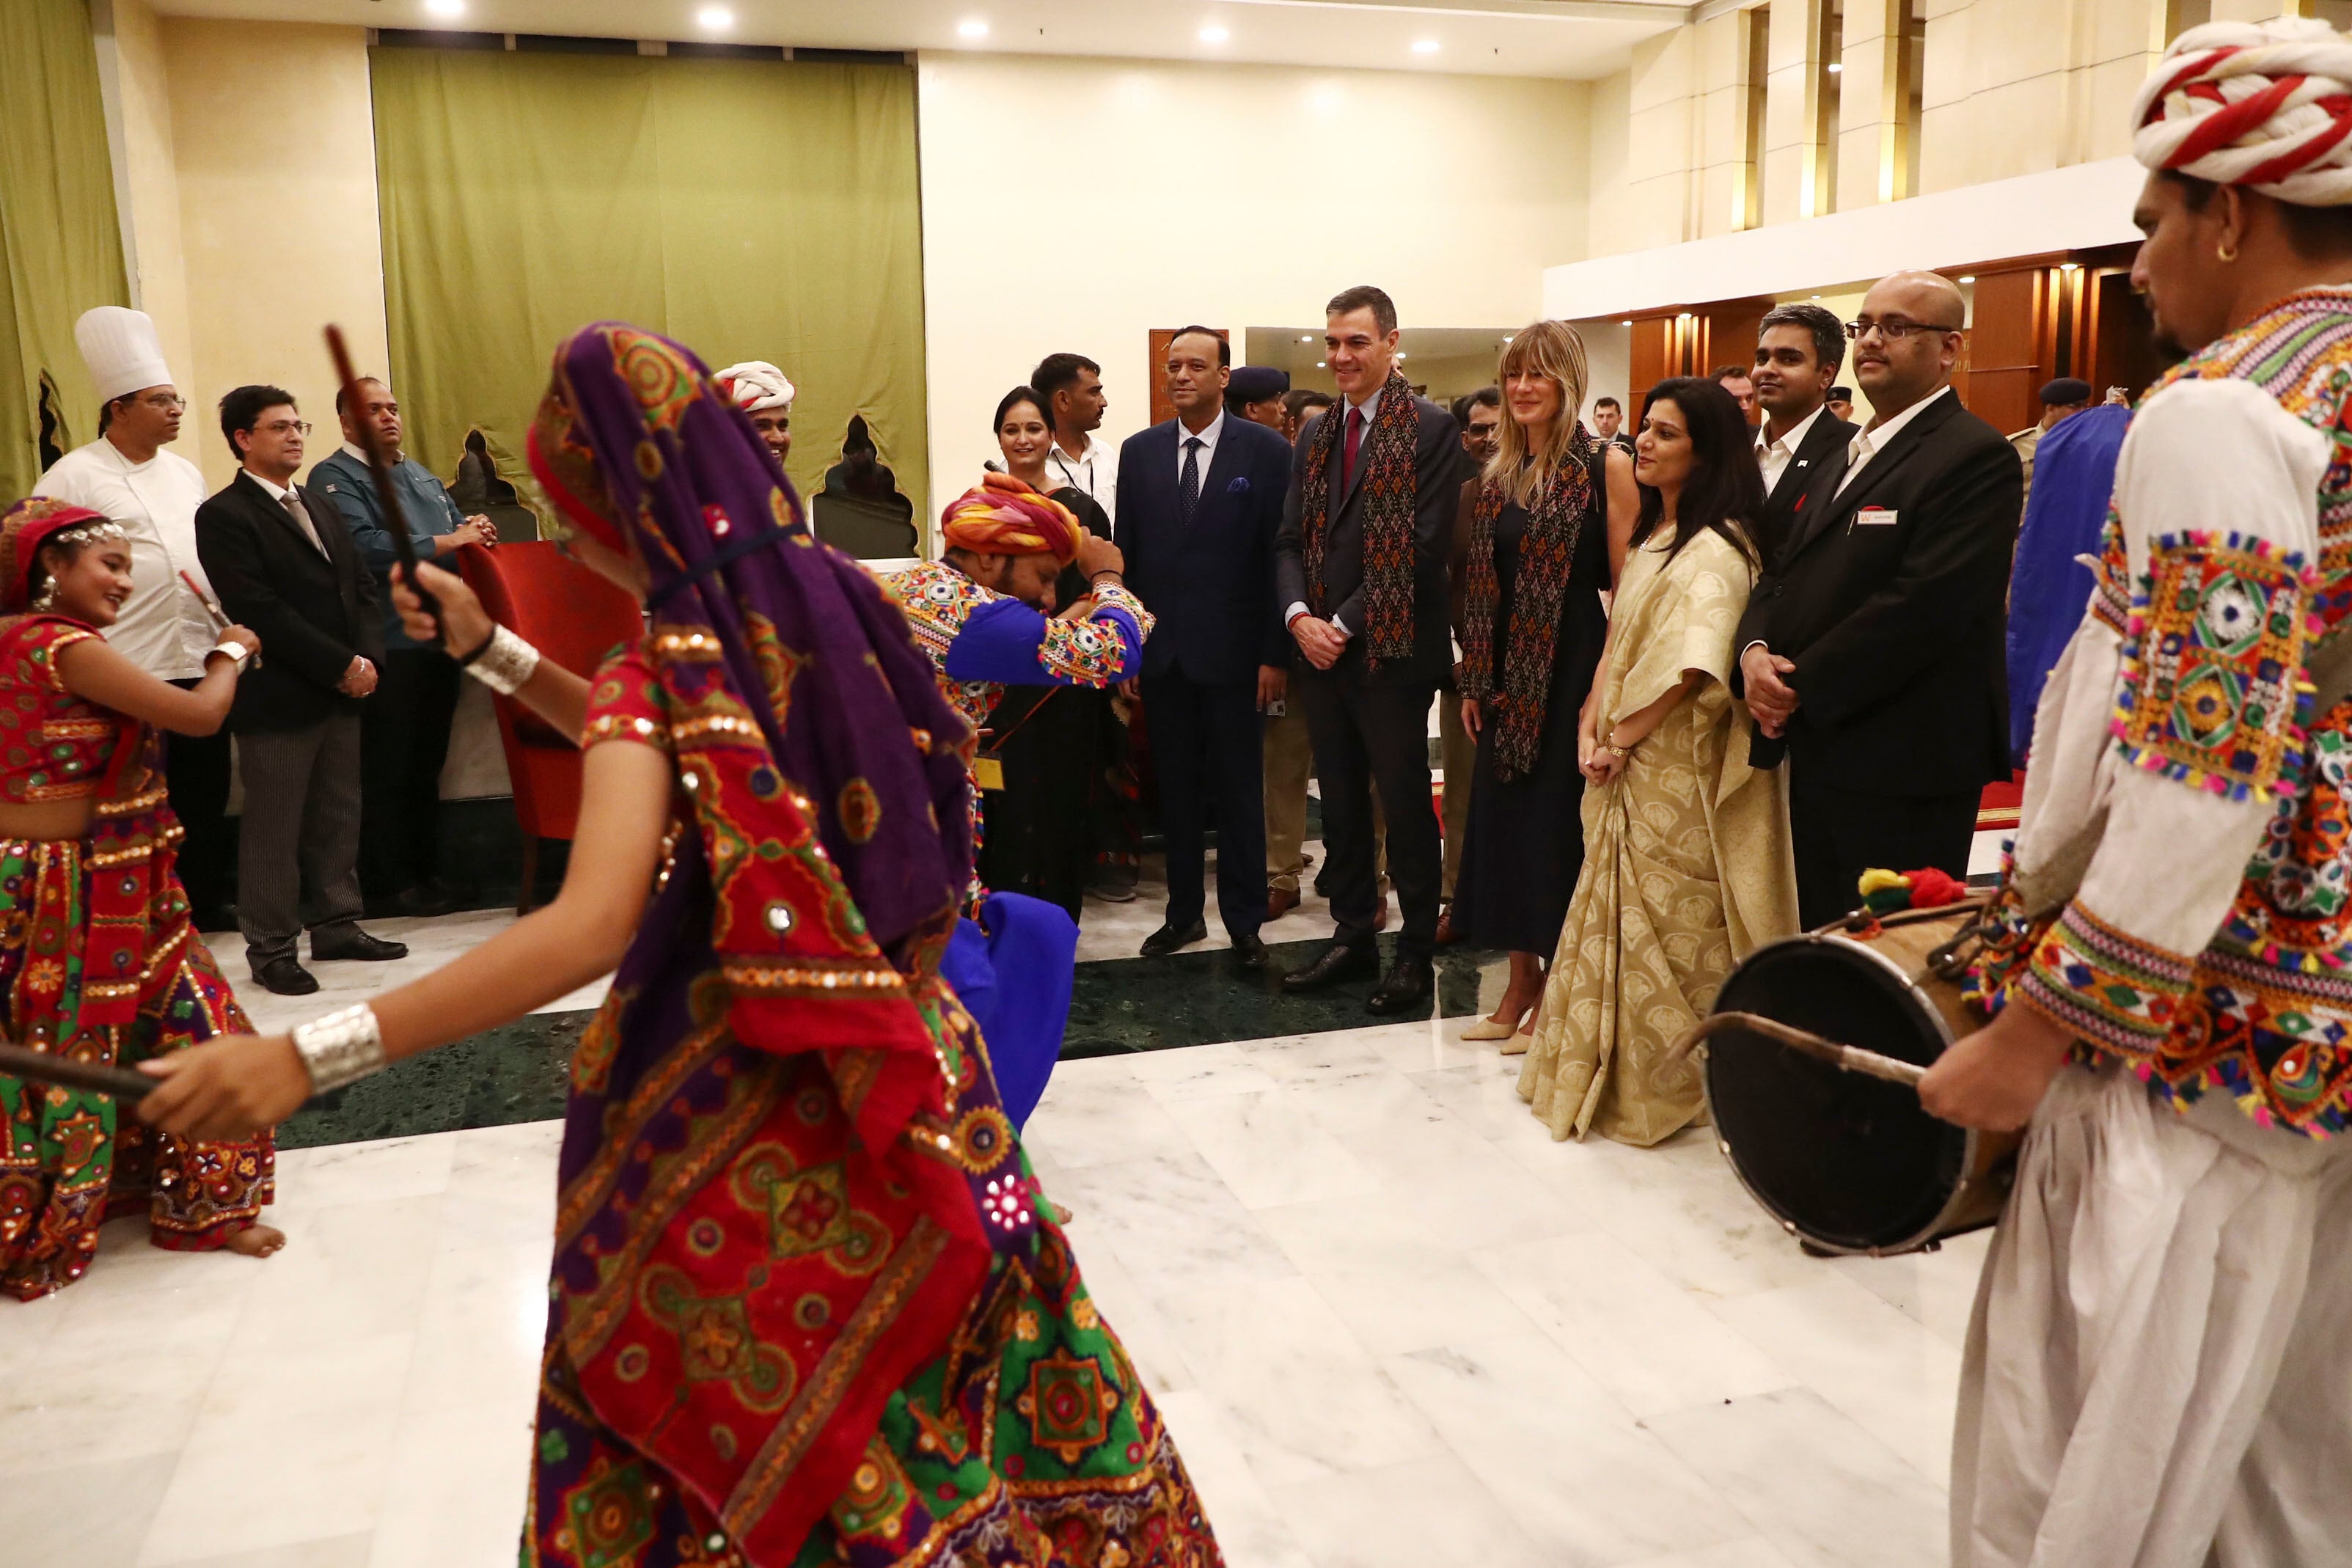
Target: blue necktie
1188	489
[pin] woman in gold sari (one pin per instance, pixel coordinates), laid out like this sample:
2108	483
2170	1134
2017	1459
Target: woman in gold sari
1687	858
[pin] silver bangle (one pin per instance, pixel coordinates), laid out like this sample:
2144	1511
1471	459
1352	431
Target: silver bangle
339	1047
507	665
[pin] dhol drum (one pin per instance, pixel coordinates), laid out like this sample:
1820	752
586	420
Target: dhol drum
1812	1057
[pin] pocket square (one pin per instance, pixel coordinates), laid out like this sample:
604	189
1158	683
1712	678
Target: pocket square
1240	487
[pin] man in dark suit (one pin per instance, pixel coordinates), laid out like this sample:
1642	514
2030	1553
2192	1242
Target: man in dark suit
1360	572
284	564
1873	645
1798	348
1199	501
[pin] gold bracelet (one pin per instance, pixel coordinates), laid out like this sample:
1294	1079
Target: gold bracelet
1614	750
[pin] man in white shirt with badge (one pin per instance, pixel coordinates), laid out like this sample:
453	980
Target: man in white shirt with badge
165	629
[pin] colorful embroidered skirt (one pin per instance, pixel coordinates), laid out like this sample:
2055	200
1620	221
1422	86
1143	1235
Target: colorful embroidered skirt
68	1160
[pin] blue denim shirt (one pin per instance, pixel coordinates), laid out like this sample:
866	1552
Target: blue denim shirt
425	505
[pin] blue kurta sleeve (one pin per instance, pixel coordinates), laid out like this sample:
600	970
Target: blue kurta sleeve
1007	642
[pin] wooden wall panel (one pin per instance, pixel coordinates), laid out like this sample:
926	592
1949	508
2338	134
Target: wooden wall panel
2006	346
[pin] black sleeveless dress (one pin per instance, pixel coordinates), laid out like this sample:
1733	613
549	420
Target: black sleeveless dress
1525	845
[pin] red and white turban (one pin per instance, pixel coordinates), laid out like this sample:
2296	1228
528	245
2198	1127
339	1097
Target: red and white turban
1005	517
2265	105
756	386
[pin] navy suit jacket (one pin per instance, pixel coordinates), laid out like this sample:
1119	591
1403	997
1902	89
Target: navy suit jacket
1211	583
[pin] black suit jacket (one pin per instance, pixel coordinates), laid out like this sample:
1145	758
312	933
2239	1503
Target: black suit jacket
1210	584
1897	628
1440	469
1824	443
312	612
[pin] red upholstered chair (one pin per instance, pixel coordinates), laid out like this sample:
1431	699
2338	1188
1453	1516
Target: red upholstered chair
574	617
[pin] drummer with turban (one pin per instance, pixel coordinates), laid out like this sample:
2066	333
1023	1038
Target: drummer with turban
2155	1373
761	390
983	612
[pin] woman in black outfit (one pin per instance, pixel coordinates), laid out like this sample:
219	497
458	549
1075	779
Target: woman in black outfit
1535	544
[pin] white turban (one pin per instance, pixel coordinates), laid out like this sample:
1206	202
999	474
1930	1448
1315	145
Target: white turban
2265	105
756	385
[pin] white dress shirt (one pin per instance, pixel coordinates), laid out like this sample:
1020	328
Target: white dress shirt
1774	457
1372	411
1093	469
163	628
299	511
1208	440
1868	443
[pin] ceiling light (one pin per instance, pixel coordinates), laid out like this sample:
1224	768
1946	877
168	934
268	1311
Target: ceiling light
450	9
1306	338
1969	278
2070	266
1322	365
1817	296
714	18
1836	67
1626	322
1424	46
1401	356
975	28
1213	33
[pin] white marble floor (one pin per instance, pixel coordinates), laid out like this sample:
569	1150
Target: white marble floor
1391	1322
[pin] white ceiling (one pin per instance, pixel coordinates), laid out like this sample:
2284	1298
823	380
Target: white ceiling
1567	39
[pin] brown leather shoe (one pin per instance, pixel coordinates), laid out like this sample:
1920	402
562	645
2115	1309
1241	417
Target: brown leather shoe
1446	935
1280	901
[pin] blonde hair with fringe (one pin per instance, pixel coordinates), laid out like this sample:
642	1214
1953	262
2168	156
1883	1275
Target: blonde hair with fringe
1554	351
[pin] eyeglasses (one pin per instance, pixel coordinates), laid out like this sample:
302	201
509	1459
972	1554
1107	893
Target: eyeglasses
286	427
171	402
1893	330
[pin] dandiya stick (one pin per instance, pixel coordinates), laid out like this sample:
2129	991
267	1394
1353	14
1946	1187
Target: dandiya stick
395	521
1845	1058
39	1067
220	620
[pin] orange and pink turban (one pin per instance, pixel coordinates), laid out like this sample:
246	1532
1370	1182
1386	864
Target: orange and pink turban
2263	105
1004	516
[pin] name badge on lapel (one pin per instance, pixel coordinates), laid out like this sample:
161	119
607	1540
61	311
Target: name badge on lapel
1874	517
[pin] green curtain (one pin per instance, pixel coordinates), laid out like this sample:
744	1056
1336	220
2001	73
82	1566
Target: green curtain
60	244
750	209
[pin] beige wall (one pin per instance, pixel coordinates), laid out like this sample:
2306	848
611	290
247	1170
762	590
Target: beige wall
2014	87
252	178
1479	182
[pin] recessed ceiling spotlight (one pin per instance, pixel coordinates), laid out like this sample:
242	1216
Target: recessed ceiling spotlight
1626	322
1401	355
1424	46
975	28
448	9
1307	337
1969	278
714	18
1322	365
1836	66
2070	266
1213	33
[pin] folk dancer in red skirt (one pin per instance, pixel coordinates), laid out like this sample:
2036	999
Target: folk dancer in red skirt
99	962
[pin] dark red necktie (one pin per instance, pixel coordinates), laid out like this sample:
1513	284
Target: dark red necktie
1355	443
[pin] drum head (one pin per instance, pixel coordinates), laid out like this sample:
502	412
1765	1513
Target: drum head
1851	1161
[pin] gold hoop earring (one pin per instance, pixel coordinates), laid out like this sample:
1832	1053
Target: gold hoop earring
2225	254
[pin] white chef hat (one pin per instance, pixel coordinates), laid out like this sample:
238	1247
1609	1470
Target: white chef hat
121	350
756	385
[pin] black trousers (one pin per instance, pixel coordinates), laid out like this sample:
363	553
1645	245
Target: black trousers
1370	737
1207	749
404	741
196	772
1840	833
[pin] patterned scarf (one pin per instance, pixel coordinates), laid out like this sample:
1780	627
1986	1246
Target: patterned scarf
1386	457
1547	556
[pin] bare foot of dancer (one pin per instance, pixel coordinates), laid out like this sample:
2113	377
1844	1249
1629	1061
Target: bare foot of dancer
257	1240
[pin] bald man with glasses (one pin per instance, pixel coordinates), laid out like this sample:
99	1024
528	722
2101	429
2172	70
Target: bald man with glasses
1871	654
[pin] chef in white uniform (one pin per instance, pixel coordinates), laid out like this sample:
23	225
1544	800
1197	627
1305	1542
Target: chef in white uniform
153	494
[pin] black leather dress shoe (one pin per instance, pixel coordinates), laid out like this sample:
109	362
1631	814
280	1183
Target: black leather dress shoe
1168	939
1407	988
355	944
1341	961
1249	953
285	976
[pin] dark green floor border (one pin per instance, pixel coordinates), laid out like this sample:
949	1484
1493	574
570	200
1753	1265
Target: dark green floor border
519	1072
